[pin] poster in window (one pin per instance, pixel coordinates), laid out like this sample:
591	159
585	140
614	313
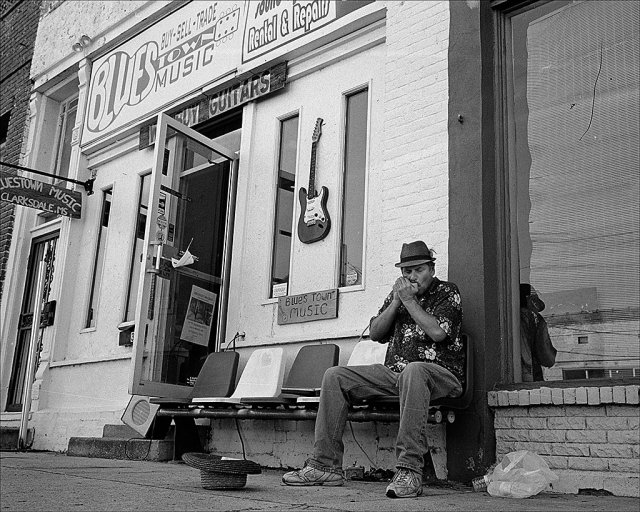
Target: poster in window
199	316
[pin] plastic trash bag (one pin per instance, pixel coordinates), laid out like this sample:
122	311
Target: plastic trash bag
519	475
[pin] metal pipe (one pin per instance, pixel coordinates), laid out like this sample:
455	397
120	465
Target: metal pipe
358	416
227	251
88	184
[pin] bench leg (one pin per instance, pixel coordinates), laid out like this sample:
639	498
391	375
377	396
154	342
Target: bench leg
439	460
186	438
160	428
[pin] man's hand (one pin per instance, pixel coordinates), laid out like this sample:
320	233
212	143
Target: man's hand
405	290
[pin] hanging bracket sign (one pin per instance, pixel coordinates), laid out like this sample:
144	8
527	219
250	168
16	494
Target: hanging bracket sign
307	307
40	195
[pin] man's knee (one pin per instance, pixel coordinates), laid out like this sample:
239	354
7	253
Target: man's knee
332	374
415	370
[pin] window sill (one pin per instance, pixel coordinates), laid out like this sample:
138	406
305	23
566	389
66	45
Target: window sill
95	360
574	383
344	289
620	391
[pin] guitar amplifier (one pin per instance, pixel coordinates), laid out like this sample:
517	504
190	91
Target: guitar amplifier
139	414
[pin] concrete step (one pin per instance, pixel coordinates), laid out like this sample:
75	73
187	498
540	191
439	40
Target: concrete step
119	432
123	449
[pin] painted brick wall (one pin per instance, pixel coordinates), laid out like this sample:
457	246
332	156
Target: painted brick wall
19	24
590	437
63	23
414	205
288	443
415	198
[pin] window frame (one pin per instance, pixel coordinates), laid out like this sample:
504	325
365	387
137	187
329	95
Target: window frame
280	120
96	273
5	123
61	128
346	94
506	213
126	322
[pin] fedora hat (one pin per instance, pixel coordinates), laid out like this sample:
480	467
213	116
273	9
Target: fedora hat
415	253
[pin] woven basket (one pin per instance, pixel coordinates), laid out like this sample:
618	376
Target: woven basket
218	473
212	481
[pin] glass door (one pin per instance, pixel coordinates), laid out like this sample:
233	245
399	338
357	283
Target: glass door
181	307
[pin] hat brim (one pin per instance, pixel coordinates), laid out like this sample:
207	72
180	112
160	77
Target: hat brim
414	263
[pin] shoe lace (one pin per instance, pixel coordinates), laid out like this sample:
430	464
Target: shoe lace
403	477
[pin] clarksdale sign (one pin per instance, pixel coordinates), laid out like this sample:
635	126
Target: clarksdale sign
40	195
308	307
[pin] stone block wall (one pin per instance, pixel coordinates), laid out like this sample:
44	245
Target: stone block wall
589	436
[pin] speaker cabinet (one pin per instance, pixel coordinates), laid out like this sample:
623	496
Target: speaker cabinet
139	414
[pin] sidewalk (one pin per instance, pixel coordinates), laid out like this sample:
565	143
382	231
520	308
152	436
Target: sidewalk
39	481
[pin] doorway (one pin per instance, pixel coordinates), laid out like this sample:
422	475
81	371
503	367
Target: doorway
181	312
43	249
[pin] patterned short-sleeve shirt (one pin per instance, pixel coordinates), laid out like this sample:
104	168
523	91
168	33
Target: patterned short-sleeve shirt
408	342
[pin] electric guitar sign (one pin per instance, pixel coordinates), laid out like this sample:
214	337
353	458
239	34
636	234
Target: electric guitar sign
314	222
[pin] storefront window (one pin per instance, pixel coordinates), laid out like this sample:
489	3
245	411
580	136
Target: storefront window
138	248
66	122
574	158
284	206
99	261
355	159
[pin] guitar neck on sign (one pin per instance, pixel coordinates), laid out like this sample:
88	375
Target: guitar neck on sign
314	223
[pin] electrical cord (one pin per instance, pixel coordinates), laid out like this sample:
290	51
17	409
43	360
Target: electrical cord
129	456
146	455
373	465
244	454
232	340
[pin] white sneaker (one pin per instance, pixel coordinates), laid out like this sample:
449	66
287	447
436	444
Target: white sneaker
405	484
308	476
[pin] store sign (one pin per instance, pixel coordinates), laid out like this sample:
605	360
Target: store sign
222	100
308	307
271	24
40	195
190	48
171	59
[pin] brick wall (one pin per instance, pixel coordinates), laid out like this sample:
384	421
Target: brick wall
288	443
590	437
415	197
414	205
19	23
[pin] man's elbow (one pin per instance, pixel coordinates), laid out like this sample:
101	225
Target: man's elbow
439	336
374	335
375	332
